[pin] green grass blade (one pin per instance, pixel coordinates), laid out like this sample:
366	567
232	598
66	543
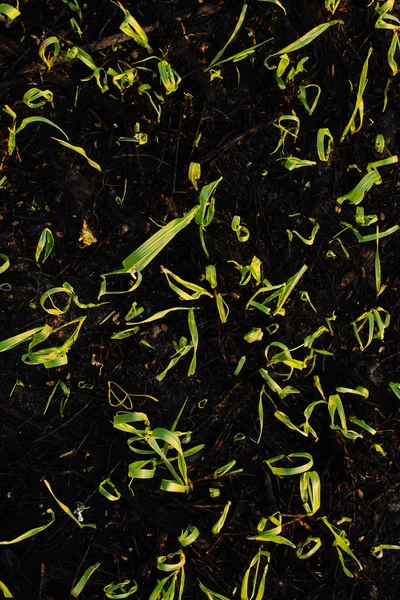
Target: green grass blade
194	174
293	162
302	96
9	12
188	536
65	508
119	590
289	287
112	496
356	195
131	27
53	356
183	295
31	532
255	564
32	98
242	233
277	3
195	341
210	595
142	256
395	388
377	551
323	154
221	521
169	77
49	59
372	237
254	335
160	315
394	46
233	35
222	307
310	492
6	263
80	151
359	104
5	591
77	589
227	469
317	545
29	120
307	38
342	544
272	535
45	245
287	471
240	365
14	341
379	143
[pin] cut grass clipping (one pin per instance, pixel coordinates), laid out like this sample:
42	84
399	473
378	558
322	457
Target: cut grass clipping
142	256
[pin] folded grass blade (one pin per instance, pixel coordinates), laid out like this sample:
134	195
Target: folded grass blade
35	98
335	406
287	471
120	590
206	209
275	387
131	28
53	356
45	245
273	534
316	546
184	295
188	536
302	96
310	492
65	508
242	233
324	149
49	59
194	174
112	496
377	551
293	162
291	129
227	469
6	263
169	77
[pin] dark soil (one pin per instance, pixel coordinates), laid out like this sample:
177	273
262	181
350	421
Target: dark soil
50	186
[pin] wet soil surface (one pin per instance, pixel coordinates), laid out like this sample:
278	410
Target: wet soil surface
226	125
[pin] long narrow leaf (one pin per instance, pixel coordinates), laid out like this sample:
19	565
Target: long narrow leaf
31	532
76	590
